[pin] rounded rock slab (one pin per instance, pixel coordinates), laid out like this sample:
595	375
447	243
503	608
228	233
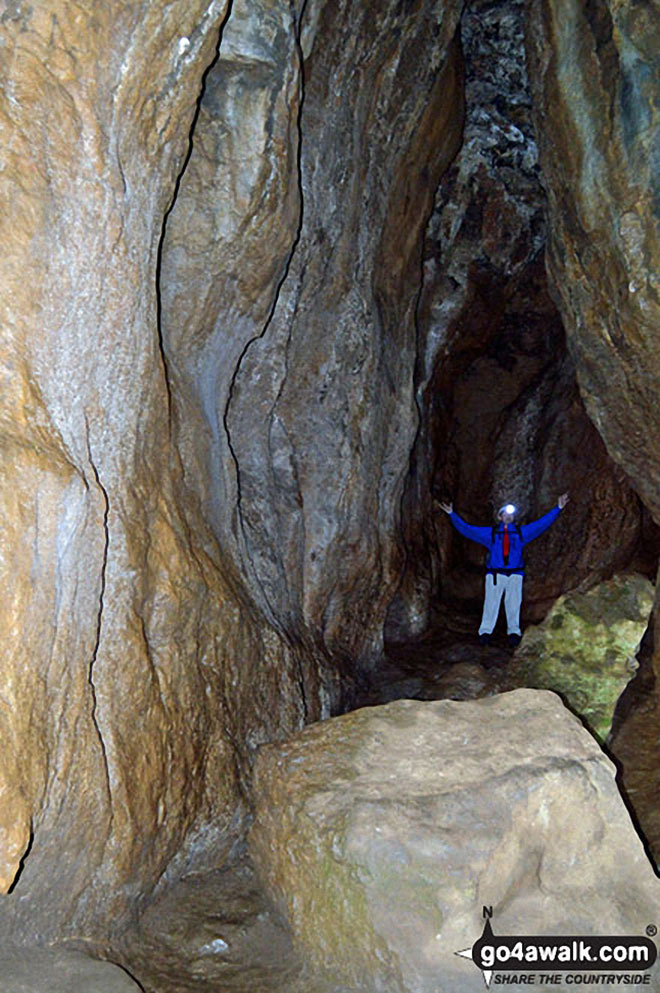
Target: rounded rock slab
382	834
46	970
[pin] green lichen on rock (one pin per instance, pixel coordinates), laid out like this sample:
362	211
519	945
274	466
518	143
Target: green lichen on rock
585	648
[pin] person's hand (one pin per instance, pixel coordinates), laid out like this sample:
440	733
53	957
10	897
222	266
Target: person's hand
562	501
447	507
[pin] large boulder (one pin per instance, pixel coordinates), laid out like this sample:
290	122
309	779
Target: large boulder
585	648
384	832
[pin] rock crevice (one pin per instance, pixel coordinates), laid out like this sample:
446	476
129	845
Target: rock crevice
103	493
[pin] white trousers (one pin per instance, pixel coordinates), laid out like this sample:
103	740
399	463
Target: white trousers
509	587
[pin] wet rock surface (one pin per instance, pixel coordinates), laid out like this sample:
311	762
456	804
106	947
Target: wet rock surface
41	970
443	803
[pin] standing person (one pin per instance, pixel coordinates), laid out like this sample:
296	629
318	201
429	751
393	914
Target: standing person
504	566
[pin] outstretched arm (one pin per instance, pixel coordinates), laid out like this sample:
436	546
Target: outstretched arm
530	531
481	535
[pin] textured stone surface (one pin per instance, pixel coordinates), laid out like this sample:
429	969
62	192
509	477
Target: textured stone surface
206	411
288	302
502	417
320	415
213	932
595	85
40	970
135	676
229	238
384	832
585	648
634	745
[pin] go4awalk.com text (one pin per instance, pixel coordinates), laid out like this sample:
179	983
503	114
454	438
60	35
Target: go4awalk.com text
508	960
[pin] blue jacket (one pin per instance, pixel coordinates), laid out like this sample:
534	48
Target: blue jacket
518	537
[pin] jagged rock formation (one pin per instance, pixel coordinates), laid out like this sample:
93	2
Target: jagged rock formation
383	833
502	418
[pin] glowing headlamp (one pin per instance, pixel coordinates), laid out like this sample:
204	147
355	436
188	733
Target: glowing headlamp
508	508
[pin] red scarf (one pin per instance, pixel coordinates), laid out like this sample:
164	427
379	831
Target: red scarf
505	545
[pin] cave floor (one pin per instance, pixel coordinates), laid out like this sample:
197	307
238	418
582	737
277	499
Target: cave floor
445	664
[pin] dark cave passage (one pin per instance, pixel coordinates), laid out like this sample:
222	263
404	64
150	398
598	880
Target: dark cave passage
502	419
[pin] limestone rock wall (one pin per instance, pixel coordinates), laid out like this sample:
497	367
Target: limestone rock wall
291	269
594	79
207	407
131	665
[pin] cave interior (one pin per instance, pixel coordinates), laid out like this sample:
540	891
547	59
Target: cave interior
341	267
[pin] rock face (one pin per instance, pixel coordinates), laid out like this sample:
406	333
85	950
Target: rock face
289	298
135	674
596	105
585	648
384	832
201	407
501	414
214	932
635	747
